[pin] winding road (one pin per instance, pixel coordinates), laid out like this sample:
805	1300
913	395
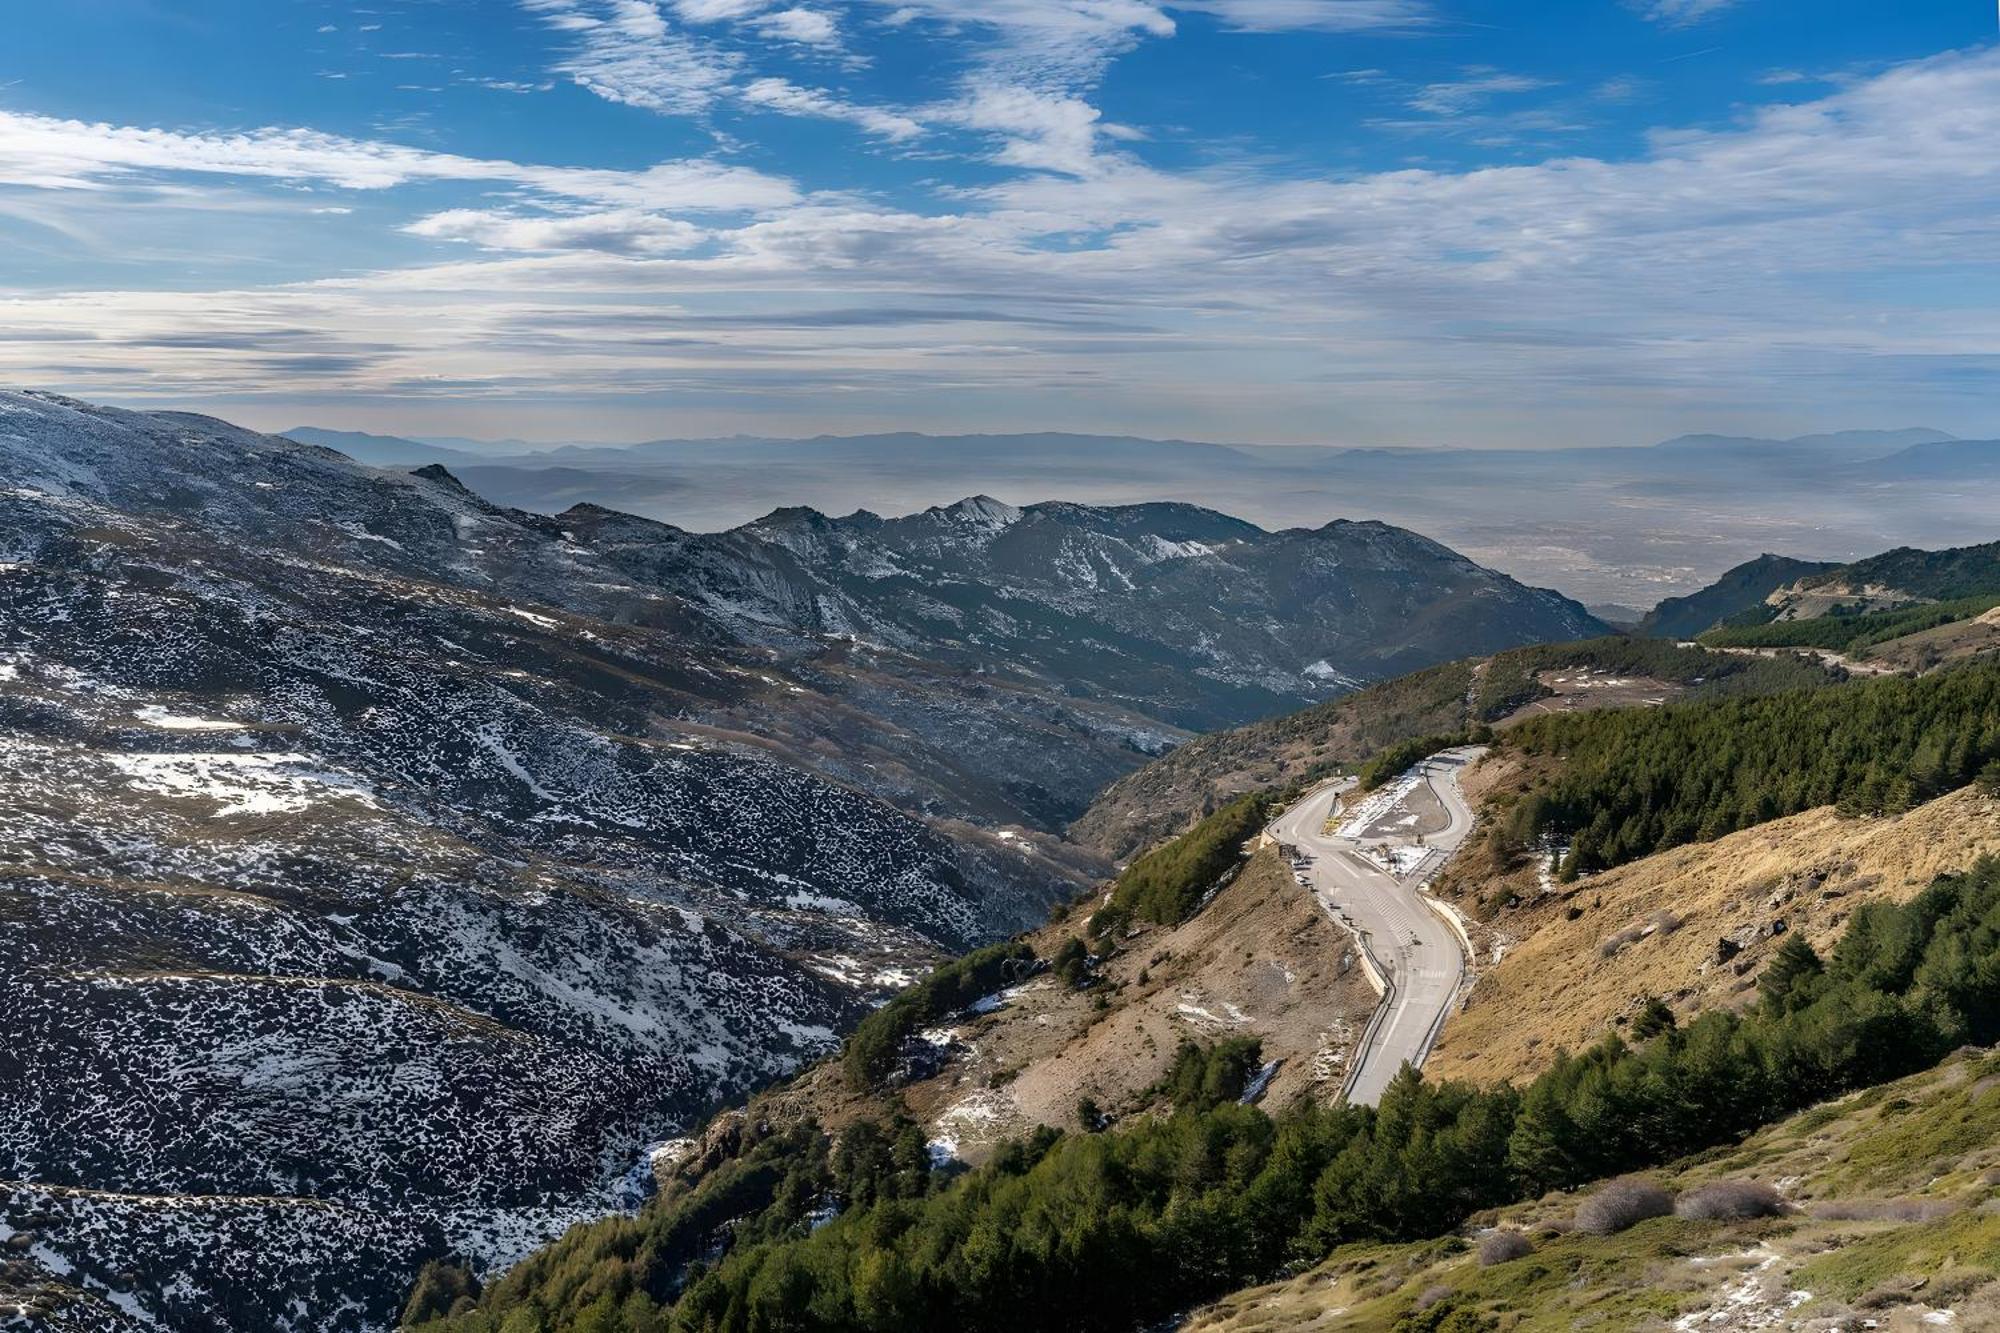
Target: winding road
1414	957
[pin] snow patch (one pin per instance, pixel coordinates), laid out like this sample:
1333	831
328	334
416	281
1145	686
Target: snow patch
157	715
242	784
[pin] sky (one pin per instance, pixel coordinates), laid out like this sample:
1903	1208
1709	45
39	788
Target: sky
1399	222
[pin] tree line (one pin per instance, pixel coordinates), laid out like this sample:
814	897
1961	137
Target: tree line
1167	884
1633	782
1850	632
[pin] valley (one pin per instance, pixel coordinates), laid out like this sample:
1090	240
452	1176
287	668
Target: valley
390	870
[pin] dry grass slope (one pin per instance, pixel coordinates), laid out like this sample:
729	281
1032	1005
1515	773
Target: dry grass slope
1584	956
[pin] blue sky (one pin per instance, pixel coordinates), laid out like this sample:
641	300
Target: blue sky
1368	221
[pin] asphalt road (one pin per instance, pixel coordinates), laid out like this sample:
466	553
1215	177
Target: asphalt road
1415	953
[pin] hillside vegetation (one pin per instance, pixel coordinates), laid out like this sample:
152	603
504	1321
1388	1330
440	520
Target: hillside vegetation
1869	1211
1634	782
1167	884
1163	798
1964	571
1086	1231
1850	634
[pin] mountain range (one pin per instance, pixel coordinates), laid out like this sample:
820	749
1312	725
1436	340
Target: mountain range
392	868
1607	525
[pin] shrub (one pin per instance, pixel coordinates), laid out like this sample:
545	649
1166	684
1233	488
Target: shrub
1654	1018
1731	1201
1503	1245
1071	961
1621	1204
1611	945
1207	1076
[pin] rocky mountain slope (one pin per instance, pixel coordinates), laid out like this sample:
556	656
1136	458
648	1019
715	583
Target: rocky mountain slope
1260	961
389	868
384	871
1738	590
1183	614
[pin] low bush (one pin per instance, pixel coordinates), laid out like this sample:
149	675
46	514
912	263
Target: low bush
1503	1245
1621	1204
1731	1201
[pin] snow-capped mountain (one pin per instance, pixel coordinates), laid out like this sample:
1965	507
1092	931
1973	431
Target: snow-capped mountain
383	869
1171	610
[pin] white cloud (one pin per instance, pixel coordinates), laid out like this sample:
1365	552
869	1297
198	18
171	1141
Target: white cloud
1312	15
717	11
782	95
626	51
619	231
808	27
1480	84
46	153
1041	131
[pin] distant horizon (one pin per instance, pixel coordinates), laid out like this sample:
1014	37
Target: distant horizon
447	441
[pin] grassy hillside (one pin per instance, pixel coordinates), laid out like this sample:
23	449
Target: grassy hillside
1561	965
1085	1231
1888	1216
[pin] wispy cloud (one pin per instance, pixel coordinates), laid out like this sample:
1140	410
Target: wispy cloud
631	52
47	153
625	231
1681	13
782	95
626	51
1480	84
1314	15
